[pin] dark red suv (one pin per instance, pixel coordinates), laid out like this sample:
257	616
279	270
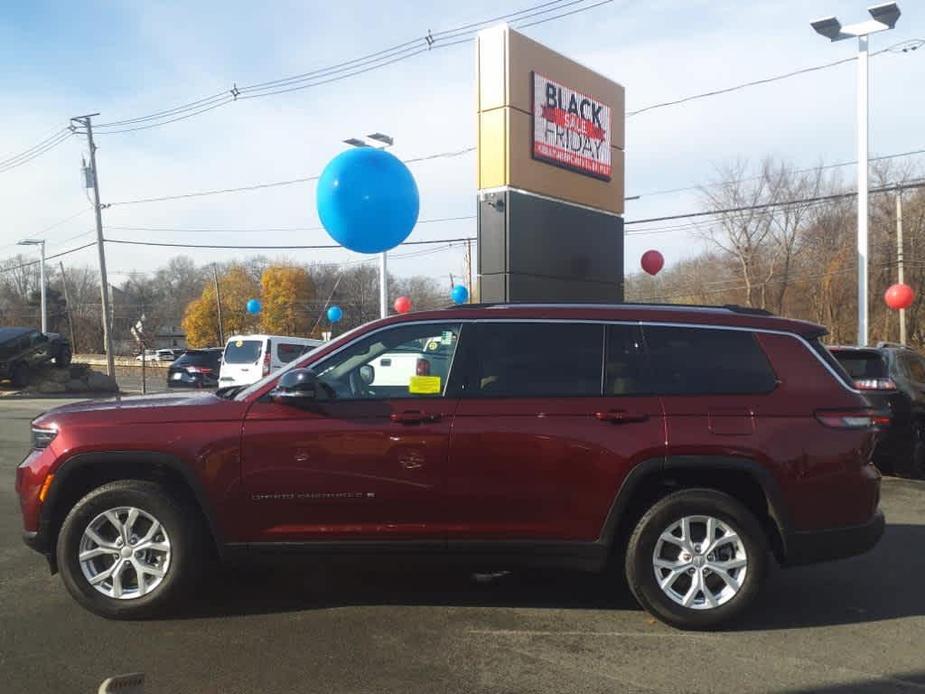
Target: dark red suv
690	443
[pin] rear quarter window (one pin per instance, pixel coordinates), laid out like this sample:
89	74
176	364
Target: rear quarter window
707	361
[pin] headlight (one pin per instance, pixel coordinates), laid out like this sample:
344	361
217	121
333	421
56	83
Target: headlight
42	438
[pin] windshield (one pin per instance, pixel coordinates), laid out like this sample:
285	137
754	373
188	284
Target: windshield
243	351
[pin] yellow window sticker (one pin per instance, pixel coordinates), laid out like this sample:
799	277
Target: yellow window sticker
424	385
239	343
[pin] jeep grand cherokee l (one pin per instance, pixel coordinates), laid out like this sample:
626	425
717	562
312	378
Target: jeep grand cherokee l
692	444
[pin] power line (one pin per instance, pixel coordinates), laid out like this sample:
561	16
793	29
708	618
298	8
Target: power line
270	247
274	184
219	230
36	150
903	46
47	258
782	203
821	167
350	68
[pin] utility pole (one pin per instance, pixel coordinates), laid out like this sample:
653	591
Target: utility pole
899	260
67	308
98	210
218	307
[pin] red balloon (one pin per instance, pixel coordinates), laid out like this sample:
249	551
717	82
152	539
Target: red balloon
899	296
402	304
652	262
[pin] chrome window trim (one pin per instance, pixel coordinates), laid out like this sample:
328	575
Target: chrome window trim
604	321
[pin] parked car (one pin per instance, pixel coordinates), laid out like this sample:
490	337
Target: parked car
22	350
158	355
195	368
249	358
690	444
892	377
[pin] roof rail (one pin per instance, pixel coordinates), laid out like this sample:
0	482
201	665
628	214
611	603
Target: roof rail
732	308
895	345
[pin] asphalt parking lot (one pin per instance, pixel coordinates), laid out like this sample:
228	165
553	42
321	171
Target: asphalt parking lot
852	626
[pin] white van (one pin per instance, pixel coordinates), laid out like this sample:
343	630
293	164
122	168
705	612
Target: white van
248	358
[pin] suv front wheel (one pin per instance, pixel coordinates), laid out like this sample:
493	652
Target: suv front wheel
696	559
128	550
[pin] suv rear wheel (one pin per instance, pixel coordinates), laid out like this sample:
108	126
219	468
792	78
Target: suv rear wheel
128	549
696	559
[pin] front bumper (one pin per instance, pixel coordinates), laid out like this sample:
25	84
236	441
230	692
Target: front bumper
836	543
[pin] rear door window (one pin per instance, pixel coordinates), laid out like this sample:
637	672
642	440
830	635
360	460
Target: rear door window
535	360
707	361
243	351
914	367
625	371
287	351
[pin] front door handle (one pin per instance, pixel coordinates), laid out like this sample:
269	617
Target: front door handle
620	416
413	417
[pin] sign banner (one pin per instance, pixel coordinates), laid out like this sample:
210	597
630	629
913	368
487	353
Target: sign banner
570	129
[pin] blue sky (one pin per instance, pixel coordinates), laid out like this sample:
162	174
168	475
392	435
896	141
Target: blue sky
125	59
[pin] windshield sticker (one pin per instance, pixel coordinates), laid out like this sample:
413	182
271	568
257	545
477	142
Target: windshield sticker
424	385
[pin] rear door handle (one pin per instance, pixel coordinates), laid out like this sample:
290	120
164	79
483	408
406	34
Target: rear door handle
413	417
621	416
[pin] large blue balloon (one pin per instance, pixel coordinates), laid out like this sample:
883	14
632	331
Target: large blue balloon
367	200
335	314
254	306
459	294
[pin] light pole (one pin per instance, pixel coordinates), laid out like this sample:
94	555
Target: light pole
883	17
380	141
40	243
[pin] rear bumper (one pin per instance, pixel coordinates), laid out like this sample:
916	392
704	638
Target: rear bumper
837	543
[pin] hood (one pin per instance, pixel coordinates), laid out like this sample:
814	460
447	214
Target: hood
144	408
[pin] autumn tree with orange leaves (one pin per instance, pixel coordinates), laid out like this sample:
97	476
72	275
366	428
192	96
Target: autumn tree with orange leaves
286	293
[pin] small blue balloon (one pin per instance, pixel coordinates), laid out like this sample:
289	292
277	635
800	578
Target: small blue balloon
335	314
459	294
367	200
254	306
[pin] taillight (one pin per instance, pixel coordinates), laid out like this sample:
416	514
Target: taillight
875	384
266	363
199	369
851	419
422	368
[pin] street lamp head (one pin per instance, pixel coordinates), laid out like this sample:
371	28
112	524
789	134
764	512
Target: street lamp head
30	242
887	13
829	27
355	142
377	140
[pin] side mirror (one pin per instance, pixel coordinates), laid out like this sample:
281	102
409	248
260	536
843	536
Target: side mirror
296	387
367	374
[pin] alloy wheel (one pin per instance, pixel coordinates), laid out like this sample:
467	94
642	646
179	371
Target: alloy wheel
700	562
124	553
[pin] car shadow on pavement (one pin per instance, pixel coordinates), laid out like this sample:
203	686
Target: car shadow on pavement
295	585
900	681
872	587
880	585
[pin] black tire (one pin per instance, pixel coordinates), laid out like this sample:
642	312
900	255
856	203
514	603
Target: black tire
183	529
19	375
641	574
917	470
63	358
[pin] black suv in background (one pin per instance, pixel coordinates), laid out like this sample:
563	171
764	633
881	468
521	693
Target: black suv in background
893	377
23	350
195	368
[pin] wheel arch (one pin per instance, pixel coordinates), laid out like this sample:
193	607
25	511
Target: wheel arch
86	471
740	477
